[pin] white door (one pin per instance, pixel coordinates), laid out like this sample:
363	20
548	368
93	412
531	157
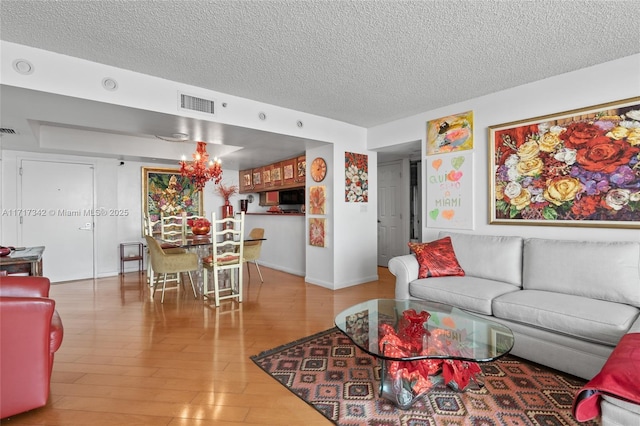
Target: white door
390	235
57	204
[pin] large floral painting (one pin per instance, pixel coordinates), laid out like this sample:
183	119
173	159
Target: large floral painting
356	169
450	133
166	192
578	168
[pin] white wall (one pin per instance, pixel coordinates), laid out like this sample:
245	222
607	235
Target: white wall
611	81
351	257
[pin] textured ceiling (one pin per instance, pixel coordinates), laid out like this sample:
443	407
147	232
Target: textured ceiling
362	62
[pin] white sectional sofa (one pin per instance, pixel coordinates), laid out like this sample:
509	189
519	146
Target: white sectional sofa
568	303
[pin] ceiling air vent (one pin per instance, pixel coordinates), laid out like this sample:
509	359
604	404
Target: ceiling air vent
6	131
192	103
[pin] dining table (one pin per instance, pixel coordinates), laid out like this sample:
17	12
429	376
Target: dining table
201	245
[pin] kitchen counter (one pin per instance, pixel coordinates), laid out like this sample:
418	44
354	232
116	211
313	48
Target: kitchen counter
285	245
274	214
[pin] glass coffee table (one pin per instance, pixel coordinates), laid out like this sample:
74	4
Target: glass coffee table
422	343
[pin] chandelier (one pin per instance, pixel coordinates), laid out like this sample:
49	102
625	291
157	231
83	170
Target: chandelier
201	169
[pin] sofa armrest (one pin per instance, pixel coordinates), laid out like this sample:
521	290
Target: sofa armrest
635	327
21	286
405	268
618	379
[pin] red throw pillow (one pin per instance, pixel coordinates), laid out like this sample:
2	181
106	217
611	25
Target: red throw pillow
436	259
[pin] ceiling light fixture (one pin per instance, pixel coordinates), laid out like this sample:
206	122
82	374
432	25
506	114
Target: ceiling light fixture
176	137
201	169
22	66
109	84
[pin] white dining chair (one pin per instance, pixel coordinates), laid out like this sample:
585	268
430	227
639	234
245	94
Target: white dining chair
227	237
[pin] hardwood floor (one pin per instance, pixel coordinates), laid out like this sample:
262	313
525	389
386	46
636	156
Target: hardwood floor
129	360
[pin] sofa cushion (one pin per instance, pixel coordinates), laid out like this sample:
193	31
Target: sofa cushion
599	270
582	317
492	257
469	293
436	258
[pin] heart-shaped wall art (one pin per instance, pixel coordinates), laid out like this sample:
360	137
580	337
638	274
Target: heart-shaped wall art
457	162
454	176
448	214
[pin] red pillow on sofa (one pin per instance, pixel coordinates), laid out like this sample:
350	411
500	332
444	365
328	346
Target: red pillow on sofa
436	259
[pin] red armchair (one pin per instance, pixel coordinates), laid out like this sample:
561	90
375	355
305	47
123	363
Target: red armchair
30	333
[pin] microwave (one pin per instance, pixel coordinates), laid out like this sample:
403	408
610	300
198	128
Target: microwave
292	196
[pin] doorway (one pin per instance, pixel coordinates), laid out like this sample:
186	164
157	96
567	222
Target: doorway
390	212
59	198
415	201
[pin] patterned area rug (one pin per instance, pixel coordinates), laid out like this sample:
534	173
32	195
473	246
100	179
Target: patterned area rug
340	381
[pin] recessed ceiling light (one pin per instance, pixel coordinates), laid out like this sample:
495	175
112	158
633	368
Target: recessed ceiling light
22	66
109	84
175	137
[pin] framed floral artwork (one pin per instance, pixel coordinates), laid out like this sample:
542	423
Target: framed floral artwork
317	199
356	170
317	232
575	168
450	133
276	173
166	192
288	171
257	178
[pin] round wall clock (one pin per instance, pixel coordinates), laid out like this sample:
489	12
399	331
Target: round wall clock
318	169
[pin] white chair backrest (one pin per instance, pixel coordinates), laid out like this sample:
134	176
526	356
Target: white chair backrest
172	228
227	235
149	225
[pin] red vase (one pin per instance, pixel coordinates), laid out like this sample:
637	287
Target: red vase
227	209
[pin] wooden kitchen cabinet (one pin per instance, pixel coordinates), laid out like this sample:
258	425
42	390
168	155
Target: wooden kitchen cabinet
256	179
246	179
269	198
289	171
284	174
276	175
301	169
266	177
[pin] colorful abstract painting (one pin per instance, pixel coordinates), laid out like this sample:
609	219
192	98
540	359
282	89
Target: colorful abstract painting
317	199
450	133
317	232
576	168
356	170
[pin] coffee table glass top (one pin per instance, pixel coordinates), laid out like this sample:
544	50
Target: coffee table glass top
449	333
